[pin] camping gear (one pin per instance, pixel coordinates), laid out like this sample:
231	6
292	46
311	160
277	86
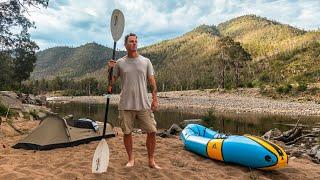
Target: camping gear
56	132
100	159
86	123
246	150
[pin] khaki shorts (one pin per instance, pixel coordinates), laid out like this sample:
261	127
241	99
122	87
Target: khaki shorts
144	119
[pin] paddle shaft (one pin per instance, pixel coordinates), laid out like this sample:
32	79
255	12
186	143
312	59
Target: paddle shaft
108	98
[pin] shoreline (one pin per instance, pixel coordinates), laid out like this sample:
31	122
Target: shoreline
199	102
75	162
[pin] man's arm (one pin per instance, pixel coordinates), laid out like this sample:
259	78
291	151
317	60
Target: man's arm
111	64
111	83
154	91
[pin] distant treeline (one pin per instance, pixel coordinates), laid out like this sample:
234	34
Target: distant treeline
67	87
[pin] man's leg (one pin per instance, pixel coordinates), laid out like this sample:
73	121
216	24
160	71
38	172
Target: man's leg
151	144
126	123
148	124
127	139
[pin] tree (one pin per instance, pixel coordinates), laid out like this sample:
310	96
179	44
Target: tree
15	43
240	57
224	57
5	69
232	55
12	15
25	58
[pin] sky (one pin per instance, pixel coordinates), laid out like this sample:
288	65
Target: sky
76	22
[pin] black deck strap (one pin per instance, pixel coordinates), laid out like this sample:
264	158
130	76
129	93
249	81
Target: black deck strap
273	145
266	149
221	149
207	147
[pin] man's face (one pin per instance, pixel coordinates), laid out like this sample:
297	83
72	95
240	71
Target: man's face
132	43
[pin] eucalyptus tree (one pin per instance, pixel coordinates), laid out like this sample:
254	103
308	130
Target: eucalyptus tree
15	42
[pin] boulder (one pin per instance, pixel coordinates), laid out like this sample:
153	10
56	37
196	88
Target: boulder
184	123
173	130
10	100
272	134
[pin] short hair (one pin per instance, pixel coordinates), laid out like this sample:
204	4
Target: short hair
127	36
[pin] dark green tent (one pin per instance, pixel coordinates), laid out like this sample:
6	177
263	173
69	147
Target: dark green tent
56	132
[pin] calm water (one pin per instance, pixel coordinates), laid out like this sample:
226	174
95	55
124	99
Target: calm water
228	123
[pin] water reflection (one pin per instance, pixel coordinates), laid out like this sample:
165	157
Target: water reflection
230	123
96	111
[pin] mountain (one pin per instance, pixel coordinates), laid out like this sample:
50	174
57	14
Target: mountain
71	62
280	54
264	38
192	54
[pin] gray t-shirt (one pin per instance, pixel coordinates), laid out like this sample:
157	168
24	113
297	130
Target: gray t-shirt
133	73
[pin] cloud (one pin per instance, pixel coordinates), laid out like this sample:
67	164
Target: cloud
75	22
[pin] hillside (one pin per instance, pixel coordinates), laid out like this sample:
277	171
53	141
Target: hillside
71	62
188	61
264	38
280	54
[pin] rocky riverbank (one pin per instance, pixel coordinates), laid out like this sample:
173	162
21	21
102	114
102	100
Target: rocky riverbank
61	163
196	101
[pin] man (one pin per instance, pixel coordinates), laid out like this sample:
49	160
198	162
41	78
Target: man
134	71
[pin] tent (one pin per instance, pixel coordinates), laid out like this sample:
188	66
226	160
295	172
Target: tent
56	132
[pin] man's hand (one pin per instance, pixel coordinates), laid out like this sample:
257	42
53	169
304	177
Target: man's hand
111	64
109	89
154	105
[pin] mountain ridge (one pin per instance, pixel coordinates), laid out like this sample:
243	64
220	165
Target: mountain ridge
197	53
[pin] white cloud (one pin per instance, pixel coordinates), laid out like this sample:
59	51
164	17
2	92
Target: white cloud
76	22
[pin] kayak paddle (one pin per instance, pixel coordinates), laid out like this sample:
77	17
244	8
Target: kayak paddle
101	155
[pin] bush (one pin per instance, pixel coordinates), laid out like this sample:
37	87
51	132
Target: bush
256	83
302	87
284	89
4	110
288	87
228	86
264	77
34	114
249	85
241	85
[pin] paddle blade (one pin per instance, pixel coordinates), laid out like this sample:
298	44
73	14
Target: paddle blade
100	159
117	24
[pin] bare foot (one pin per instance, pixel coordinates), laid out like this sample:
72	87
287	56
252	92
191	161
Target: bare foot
154	165
130	163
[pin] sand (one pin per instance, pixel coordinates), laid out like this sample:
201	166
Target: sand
177	163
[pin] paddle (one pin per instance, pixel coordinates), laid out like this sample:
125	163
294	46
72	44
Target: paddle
100	159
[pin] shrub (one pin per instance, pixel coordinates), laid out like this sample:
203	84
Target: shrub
302	87
34	114
249	85
256	83
4	110
284	89
264	77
